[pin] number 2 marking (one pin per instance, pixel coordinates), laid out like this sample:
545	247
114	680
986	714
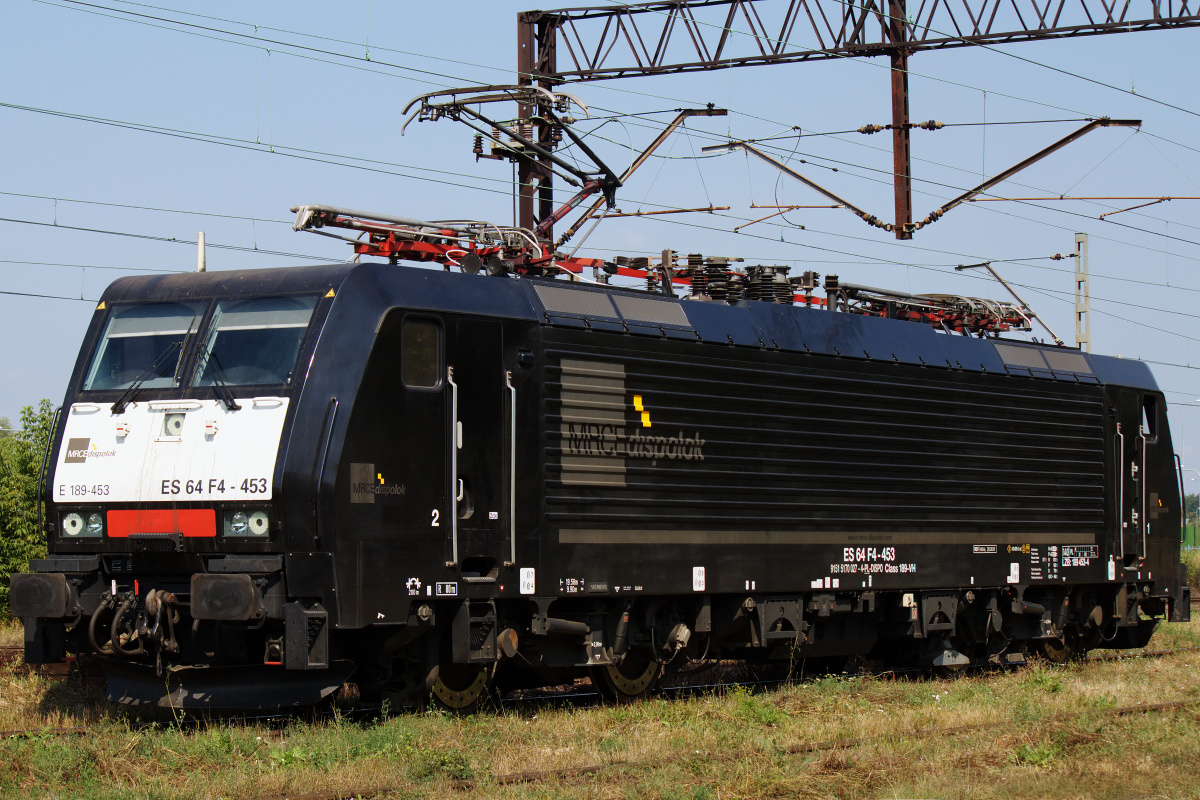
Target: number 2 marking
435	519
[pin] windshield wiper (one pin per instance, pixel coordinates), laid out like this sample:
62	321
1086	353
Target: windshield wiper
119	406
183	348
224	393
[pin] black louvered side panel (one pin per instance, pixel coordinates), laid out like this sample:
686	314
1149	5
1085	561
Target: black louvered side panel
641	442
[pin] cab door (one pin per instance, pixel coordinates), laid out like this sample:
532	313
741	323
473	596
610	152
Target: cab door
1130	450
481	410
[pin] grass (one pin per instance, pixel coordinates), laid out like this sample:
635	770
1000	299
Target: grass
732	744
11	632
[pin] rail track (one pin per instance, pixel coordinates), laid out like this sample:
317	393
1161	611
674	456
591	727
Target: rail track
800	748
582	696
10	654
577	697
796	749
582	699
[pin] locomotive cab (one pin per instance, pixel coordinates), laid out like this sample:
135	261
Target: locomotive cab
163	515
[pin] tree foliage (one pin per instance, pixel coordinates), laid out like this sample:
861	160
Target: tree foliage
20	460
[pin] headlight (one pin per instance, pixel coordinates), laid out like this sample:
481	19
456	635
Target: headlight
72	524
83	524
172	425
245	522
259	525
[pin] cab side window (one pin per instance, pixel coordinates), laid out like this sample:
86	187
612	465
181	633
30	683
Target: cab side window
1150	417
421	353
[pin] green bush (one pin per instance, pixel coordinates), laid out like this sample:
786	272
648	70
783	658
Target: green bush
1191	536
20	460
1191	559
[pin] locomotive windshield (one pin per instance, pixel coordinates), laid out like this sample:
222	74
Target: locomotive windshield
253	342
143	343
247	342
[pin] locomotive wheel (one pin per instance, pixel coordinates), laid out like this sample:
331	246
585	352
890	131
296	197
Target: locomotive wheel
632	679
1057	651
461	688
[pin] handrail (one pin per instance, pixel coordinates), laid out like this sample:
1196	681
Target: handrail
455	443
1182	506
512	469
1143	520
40	495
1121	489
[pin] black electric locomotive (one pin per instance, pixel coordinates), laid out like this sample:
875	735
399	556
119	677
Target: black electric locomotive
266	484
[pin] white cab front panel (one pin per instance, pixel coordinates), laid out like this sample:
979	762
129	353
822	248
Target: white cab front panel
169	451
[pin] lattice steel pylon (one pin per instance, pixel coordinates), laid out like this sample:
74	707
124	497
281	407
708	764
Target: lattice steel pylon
659	38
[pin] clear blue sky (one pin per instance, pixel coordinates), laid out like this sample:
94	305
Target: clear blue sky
268	101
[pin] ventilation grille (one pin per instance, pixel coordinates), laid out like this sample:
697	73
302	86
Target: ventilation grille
636	311
701	446
578	302
648	309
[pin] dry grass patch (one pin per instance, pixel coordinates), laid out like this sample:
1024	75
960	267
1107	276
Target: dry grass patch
12	633
1053	739
28	700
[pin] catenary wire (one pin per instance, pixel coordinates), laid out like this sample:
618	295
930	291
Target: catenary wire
256	27
122	11
210	33
1134	228
170	240
83	6
90	266
146	208
48	296
244	144
408	53
1158	137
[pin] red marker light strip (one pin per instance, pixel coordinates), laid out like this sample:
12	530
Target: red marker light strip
187	521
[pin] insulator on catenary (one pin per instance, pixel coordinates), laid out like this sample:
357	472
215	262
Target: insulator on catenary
929	125
477	148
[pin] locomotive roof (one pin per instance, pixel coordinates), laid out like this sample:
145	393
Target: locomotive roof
373	288
185	285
